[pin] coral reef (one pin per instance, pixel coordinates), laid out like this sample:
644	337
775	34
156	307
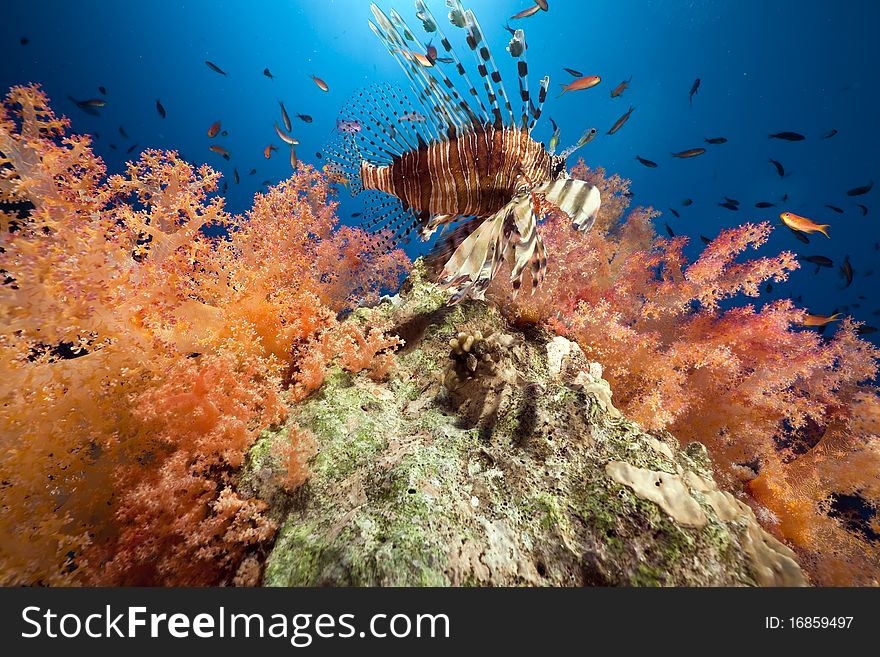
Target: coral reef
141	357
493	457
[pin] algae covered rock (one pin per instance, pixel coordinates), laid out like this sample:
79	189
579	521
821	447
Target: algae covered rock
494	456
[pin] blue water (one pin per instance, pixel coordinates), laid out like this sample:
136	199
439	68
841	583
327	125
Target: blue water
804	66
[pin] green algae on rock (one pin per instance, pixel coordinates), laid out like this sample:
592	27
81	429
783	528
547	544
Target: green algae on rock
502	463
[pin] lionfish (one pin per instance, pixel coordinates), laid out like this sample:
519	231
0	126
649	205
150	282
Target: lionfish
462	157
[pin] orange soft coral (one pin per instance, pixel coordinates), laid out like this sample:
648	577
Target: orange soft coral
746	382
141	358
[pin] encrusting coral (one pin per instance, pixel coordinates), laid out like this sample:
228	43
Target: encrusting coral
141	357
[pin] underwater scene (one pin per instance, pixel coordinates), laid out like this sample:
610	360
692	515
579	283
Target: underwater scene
439	293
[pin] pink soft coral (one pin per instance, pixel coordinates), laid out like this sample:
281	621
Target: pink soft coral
117	465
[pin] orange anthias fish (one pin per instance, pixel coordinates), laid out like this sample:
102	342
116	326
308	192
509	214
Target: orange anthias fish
219	150
214	129
582	83
819	320
321	84
691	152
525	13
619	89
267	152
804	225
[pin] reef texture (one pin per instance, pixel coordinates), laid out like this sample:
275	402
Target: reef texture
494	456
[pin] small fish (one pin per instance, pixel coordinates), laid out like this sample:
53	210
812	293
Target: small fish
444	60
623	119
507	27
803	224
321	84
648	163
131	148
219	150
830	133
788	136
834	208
318	155
285	117
356	214
619	89
866	330
764	204
554	138
87	106
266	183
586	138
731	200
861	189
846	271
267	152
573	73
268	73
215	68
214	129
287	139
705	240
779	168
123	133
431	52
103	90
729	206
675	212
413	117
235	176
293	160
785	196
113	146
225	187
864	209
525	13
304	117
543	5
687	202
581	83
819	320
769	287
691	152
669	230
225	133
695	87
715	140
818	260
800	236
353	127
160	109
24	41
252	172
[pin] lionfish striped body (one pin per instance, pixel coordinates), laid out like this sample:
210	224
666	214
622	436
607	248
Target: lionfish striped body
457	159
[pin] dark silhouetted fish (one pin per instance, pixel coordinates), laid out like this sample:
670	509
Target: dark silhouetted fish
731	200
252	172
846	271
800	236
284	117
669	230
225	187
648	163
705	239
834	208
864	209
695	87
318	155
686	202
729	206
225	133
304	117
113	146
235	176
570	71
215	68
788	136
673	211
818	260
268	73
691	152
265	183
862	189
715	140
86	106
122	132
131	149
830	133
103	90
769	287
779	168
866	330
623	119
24	41
160	109
356	214
764	204
619	89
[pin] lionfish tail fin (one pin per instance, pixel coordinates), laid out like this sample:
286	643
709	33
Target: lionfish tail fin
577	199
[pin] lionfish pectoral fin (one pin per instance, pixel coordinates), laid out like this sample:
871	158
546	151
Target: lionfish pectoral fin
577	199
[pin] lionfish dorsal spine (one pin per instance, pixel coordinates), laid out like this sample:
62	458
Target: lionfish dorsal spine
519	40
478	112
542	96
